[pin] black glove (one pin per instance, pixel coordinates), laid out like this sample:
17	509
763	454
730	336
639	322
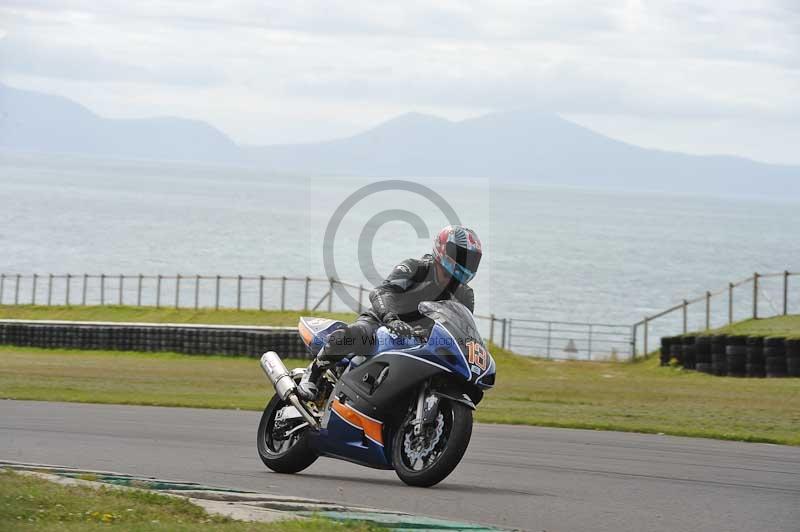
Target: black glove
399	327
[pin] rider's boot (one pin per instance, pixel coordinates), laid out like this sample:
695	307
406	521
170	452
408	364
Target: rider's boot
334	349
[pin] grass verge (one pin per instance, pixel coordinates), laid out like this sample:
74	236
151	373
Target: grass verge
638	397
787	326
29	503
287	318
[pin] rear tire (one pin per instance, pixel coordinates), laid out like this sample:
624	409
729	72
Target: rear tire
457	431
293	459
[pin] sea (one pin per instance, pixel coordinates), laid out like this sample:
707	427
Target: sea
550	252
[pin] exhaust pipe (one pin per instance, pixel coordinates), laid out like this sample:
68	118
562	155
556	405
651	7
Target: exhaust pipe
284	385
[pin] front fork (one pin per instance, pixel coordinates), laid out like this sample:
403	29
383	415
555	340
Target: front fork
427	408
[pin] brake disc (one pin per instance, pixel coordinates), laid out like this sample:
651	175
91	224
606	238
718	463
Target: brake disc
420	447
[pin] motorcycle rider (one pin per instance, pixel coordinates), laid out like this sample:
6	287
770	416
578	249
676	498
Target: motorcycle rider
442	275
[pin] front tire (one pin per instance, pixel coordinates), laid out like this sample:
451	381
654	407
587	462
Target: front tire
286	455
415	467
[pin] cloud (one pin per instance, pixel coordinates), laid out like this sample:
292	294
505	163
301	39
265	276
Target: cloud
315	60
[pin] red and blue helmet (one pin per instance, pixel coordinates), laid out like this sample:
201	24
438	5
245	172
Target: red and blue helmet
457	249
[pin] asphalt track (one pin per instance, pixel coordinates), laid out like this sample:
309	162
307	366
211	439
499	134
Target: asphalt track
517	477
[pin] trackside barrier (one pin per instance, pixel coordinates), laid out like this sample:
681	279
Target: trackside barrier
761	295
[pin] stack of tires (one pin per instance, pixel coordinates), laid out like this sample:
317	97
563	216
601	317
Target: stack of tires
734	355
719	362
190	340
793	357
702	353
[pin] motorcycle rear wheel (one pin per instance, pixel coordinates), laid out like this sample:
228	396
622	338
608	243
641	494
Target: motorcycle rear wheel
280	455
446	453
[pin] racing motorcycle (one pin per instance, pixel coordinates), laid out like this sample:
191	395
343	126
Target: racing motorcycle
407	406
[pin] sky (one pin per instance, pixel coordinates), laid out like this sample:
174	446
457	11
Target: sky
704	77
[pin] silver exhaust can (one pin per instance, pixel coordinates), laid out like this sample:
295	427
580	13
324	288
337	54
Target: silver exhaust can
278	375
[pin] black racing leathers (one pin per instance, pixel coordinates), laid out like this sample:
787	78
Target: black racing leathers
410	282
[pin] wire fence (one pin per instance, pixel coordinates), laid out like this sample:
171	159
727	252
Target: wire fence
761	295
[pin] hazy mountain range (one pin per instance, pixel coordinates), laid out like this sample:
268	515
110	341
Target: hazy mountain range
517	146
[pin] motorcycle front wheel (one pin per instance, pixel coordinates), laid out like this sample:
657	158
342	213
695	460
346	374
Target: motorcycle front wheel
426	459
280	452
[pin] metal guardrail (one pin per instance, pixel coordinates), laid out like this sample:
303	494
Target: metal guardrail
553	339
178	291
700	313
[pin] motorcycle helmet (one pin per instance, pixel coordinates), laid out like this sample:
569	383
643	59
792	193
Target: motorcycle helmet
457	250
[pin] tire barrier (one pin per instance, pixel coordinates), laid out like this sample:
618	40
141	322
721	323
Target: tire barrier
755	357
689	352
666	349
793	357
702	346
734	355
719	364
187	339
775	356
676	349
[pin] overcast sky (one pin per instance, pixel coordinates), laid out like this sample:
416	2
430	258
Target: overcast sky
714	76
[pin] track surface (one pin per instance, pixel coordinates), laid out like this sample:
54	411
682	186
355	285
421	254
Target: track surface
517	477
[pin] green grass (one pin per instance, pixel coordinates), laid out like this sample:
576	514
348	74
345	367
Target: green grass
29	503
639	397
164	315
788	326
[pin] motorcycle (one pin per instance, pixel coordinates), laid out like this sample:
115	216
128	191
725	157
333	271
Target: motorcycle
407	406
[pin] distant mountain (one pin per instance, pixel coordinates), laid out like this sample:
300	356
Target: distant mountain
517	146
31	121
524	146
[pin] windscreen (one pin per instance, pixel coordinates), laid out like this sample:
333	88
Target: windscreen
456	318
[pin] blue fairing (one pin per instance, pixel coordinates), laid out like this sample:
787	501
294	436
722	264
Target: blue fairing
353	426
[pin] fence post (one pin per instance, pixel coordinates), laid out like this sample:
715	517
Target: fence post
645	334
260	292
549	334
685	311
590	341
66	291
491	328
83	289
177	290
509	332
49	289
121	288
16	289
283	293
755	295
361	296
139	291
730	303
305	295
785	292
238	292
216	293
158	291
2	286
503	341
33	289
330	295
196	291
633	341
708	310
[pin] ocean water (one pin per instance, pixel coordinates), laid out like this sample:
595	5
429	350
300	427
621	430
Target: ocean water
551	253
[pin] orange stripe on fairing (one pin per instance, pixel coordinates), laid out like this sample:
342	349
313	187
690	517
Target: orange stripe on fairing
372	429
305	333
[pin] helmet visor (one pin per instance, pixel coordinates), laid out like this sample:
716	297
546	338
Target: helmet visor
461	263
